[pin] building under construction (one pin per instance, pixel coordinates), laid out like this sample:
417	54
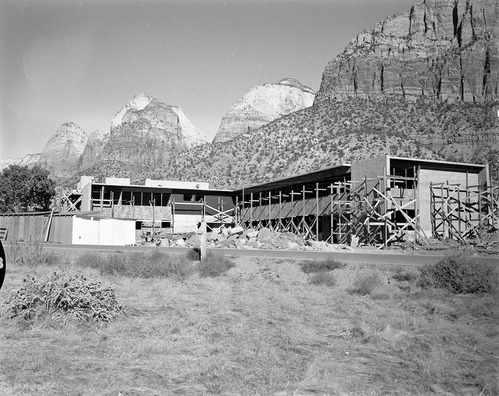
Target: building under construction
376	201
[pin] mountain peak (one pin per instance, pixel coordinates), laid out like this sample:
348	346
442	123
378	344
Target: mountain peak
293	82
446	50
138	102
60	154
263	104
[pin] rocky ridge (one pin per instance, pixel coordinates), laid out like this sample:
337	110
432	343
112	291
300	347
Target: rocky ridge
192	135
28	160
440	49
146	133
263	104
93	149
61	153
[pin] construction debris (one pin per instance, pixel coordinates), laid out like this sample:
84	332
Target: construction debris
239	238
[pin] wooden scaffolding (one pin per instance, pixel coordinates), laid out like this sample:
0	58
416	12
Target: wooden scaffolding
463	213
299	211
377	211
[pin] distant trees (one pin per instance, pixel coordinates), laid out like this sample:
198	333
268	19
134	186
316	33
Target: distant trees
25	189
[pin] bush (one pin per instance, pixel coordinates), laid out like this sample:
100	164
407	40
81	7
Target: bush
31	254
139	265
63	296
460	274
325	265
214	265
323	278
365	283
405	276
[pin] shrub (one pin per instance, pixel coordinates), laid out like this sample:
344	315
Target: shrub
405	276
323	278
31	254
365	283
139	265
214	265
325	265
63	296
460	274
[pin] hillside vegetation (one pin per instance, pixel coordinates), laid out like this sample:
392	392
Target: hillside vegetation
329	134
343	132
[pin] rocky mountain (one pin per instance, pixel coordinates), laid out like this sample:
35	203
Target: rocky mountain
144	135
343	132
143	105
446	50
28	160
61	153
423	83
263	104
94	147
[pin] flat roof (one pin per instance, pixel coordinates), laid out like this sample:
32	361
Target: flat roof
321	174
440	165
171	190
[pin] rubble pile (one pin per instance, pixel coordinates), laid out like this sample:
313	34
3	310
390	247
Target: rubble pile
239	238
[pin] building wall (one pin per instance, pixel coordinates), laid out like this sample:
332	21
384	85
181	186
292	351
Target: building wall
137	212
23	227
426	177
86	203
116	232
370	168
85	231
61	230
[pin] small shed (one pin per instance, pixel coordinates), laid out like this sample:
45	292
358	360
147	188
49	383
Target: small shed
79	228
91	229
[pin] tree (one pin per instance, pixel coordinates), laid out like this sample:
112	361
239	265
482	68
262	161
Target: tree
25	189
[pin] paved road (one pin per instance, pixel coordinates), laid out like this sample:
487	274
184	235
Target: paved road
368	257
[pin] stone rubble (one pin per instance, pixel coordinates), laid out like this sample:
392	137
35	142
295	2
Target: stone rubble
239	238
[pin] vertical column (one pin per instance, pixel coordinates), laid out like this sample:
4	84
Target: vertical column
270	201
236	211
331	212
260	211
303	209
317	211
385	229
442	203
479	205
280	203
459	209
492	211
173	215
251	210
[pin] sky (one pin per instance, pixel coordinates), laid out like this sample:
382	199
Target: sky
82	61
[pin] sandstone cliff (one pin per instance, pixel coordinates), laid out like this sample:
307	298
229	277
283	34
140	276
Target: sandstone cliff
61	153
146	133
442	49
263	104
94	147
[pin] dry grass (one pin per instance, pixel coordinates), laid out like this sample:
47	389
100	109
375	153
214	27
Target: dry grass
262	329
